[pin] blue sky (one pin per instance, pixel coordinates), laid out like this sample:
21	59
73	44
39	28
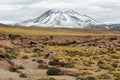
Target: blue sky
13	11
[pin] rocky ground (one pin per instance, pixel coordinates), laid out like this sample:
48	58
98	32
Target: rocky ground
59	57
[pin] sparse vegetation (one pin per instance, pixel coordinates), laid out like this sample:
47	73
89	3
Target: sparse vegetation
23	75
25	57
87	78
21	67
43	66
54	62
82	54
53	71
47	79
56	31
69	65
104	76
13	69
116	76
40	61
112	38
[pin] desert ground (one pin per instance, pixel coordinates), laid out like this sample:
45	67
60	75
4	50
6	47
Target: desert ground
59	54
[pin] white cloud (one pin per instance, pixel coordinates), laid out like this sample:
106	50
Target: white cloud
19	1
64	4
9	7
7	22
19	10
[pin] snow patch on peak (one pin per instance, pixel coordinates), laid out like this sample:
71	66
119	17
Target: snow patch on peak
60	18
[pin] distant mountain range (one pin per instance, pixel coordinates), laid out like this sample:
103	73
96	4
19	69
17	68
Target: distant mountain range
66	19
113	26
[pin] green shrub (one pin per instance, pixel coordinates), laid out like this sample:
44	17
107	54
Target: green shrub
25	57
115	56
86	63
53	71
115	65
92	44
102	52
40	61
87	78
2	56
21	67
104	76
76	53
91	78
13	37
69	65
62	64
10	56
105	66
117	76
33	59
79	78
43	66
13	69
23	75
47	79
54	62
10	53
36	51
112	38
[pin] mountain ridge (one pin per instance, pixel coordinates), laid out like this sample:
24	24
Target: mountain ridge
59	18
66	19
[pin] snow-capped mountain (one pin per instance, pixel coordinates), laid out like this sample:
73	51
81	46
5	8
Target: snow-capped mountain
59	18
